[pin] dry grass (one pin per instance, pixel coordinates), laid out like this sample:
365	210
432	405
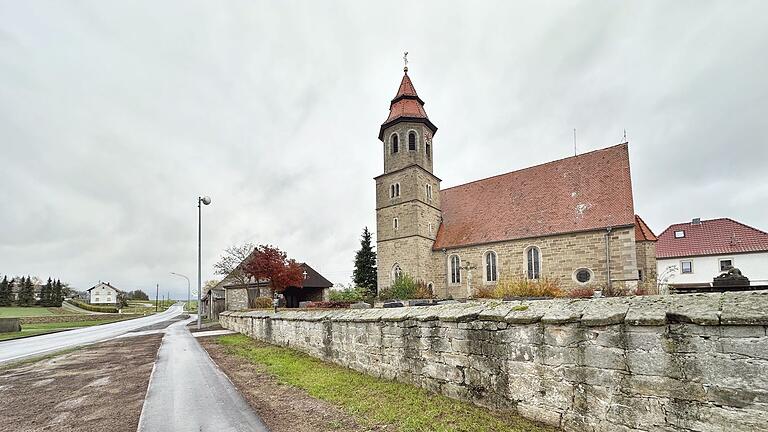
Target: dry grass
519	286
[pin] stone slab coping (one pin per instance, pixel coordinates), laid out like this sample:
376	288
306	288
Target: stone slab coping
731	308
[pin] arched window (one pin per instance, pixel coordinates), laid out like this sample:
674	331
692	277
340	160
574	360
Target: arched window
533	262
491	273
394	190
395	223
397	272
395	144
412	141
455	269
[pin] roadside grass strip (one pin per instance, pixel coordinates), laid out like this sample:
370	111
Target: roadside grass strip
374	401
43	328
16	312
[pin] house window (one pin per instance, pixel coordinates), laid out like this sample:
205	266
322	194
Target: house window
533	258
394	190
412	141
428	189
397	272
679	234
96	299
686	266
395	223
582	275
455	269
491	275
726	264
395	144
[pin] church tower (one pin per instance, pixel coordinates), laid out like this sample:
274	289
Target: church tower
407	194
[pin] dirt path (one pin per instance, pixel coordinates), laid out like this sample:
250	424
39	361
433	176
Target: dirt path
97	388
281	407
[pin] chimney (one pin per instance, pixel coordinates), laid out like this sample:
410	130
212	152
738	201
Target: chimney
696	221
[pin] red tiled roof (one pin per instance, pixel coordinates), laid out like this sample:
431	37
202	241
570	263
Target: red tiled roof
581	193
710	237
642	232
408	106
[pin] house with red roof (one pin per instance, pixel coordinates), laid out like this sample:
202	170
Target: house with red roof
695	252
572	219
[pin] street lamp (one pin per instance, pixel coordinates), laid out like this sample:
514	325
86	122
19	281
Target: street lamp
200	201
189	295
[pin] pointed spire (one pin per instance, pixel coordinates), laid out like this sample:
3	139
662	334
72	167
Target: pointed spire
406	106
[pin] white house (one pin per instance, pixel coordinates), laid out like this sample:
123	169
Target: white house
697	251
103	293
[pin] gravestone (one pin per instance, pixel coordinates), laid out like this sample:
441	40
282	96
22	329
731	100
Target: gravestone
8	325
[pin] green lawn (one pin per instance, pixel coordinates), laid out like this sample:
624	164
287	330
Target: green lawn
13	312
42	328
374	401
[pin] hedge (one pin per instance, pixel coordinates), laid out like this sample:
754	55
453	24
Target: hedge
93	308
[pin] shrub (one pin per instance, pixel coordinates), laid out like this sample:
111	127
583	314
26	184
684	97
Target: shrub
262	303
585	292
93	308
348	293
329	304
520	286
423	291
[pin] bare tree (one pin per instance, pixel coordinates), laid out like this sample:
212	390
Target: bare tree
231	263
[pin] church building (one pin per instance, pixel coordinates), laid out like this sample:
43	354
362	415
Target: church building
572	219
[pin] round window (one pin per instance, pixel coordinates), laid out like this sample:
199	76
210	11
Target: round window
583	275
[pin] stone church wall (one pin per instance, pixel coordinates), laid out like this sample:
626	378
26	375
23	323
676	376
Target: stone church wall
646	260
657	363
561	256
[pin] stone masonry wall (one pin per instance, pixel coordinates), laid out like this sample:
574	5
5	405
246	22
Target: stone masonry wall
561	256
655	363
646	259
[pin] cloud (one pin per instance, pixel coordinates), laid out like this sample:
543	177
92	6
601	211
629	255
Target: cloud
115	116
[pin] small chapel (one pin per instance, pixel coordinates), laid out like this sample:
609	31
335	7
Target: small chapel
571	219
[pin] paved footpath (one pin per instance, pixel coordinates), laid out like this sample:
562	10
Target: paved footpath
188	392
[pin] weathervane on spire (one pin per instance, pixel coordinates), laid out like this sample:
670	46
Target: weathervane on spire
405	60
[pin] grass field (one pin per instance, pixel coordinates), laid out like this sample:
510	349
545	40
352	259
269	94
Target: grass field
43	328
14	312
374	401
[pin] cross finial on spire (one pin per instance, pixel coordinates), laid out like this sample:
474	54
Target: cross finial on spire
405	60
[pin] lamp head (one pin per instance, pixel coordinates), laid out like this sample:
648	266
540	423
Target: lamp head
205	200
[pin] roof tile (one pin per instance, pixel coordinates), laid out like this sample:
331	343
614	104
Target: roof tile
581	193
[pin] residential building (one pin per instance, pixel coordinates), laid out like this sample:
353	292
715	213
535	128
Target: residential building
695	252
102	293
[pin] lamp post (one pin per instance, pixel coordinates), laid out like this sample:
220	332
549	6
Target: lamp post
200	201
189	290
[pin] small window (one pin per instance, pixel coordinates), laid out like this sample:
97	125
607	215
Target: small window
491	275
455	269
686	266
397	272
679	234
726	264
533	258
583	275
428	189
428	149
394	190
412	141
395	144
639	274
395	223
430	227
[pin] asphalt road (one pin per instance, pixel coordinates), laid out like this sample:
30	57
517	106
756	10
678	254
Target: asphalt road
188	392
34	346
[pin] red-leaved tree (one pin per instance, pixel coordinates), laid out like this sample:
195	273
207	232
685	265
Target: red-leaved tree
272	264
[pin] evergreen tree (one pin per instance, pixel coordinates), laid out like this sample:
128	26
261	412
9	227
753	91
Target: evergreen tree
26	293
364	274
45	293
6	295
57	296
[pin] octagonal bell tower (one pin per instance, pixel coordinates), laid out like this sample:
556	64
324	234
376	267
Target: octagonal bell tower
407	193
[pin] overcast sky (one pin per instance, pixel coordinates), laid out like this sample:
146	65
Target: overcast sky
115	116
